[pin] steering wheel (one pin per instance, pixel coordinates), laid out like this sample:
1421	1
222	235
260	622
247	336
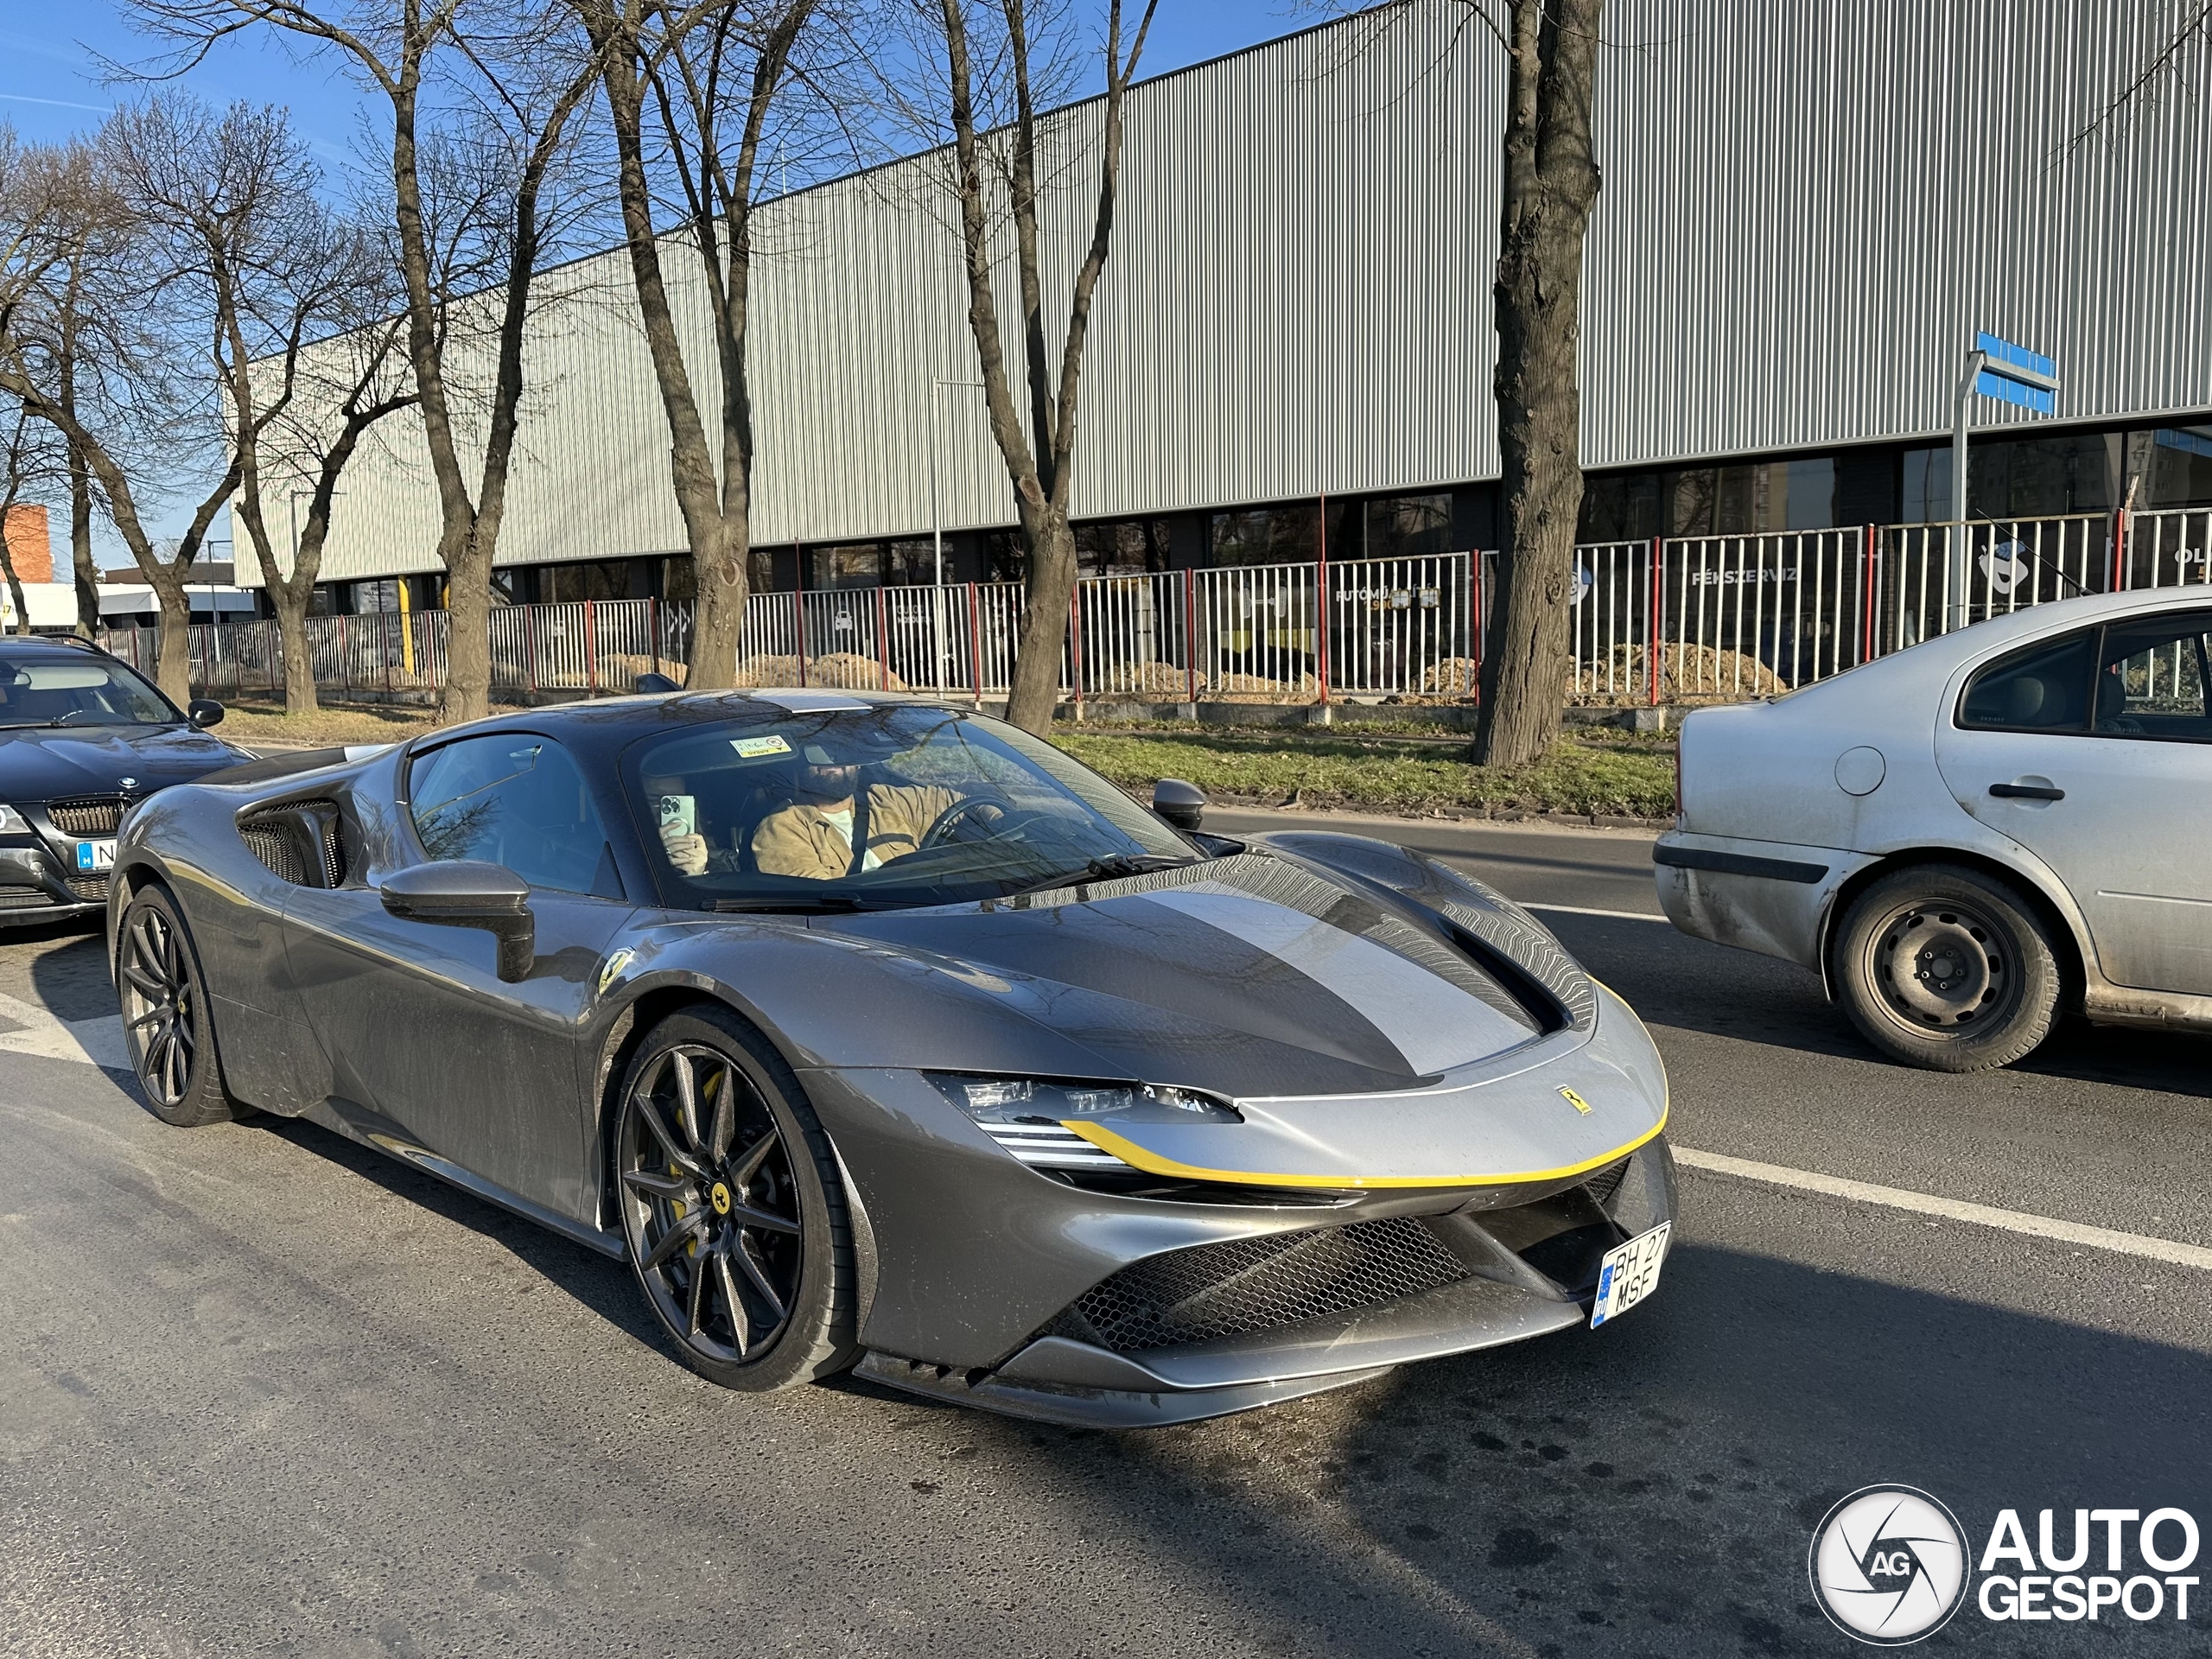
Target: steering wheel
940	830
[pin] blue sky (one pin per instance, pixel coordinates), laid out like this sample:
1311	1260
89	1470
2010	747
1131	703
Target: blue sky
51	81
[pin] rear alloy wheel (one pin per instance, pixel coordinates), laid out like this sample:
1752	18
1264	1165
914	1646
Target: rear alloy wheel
1944	967
165	1023
733	1206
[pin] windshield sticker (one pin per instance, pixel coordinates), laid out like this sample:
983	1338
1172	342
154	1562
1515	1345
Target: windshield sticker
754	747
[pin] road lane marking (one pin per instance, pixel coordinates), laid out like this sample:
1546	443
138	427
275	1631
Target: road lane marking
1924	1204
97	1041
1577	909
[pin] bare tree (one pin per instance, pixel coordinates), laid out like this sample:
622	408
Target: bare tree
515	88
265	266
1550	179
1010	68
365	386
24	464
712	75
2187	34
105	346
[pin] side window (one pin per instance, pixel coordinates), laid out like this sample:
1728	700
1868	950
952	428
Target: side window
2151	677
2041	688
516	799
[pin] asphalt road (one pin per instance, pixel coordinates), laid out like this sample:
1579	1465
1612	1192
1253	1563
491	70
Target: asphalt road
262	1392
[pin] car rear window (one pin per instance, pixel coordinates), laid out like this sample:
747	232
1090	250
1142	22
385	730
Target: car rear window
2041	688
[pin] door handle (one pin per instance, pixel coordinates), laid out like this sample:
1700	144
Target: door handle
2026	792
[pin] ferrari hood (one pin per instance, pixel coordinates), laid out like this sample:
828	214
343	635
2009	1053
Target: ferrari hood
45	763
1247	975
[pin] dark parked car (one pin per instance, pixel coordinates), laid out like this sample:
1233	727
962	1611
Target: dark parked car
880	1034
83	738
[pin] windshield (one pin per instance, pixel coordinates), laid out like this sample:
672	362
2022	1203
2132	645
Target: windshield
887	806
86	690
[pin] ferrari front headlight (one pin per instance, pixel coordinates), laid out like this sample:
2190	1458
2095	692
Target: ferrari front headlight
1029	1117
11	822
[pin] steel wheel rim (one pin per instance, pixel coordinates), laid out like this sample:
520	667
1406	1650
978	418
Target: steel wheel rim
709	1204
160	1014
1944	968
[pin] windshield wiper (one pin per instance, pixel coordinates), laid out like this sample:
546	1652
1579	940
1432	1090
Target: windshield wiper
792	904
1111	868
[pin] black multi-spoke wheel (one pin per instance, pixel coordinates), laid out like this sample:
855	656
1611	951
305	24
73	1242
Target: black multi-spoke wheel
166	1019
731	1205
1941	966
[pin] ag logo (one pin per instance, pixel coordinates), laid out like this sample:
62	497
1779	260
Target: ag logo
1889	1566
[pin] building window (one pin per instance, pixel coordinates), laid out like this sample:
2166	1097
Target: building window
1267	535
2180	473
857	565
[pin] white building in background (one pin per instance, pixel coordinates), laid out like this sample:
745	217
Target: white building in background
1809	208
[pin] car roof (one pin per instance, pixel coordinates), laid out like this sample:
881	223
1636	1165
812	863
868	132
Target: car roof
2056	616
606	724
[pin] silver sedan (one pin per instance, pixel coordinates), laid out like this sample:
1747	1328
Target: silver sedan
1971	837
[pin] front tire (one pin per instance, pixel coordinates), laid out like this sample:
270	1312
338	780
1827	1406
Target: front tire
167	1020
1944	967
733	1206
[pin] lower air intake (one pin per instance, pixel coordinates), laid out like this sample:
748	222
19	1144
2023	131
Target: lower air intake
22	898
1251	1285
89	888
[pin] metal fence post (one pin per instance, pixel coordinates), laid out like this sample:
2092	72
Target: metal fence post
530	650
1321	623
591	647
652	630
799	613
2120	571
1867	600
882	642
1190	634
975	645
1652	618
1075	643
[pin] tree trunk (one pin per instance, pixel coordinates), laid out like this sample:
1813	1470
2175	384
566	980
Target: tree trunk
1551	185
15	581
81	566
173	643
1045	598
469	633
299	696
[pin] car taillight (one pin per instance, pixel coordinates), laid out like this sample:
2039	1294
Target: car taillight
1679	822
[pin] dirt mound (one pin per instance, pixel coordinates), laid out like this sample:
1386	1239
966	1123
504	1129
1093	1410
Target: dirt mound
839	671
1687	674
1153	681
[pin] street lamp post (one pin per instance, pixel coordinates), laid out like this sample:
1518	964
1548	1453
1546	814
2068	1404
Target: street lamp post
936	529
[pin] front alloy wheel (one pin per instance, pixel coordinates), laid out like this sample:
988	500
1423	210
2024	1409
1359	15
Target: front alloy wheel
738	1239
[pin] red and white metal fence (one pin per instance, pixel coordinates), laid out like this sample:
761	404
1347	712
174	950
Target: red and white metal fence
1685	618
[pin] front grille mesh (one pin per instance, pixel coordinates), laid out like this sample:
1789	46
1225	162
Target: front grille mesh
1251	1285
87	818
90	888
1606	1182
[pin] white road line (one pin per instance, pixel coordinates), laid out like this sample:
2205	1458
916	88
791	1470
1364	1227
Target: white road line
97	1041
1577	909
1922	1204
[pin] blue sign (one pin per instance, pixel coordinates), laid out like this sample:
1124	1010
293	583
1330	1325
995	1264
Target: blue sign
2014	374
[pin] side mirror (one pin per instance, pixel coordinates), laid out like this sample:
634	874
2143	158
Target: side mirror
469	893
658	685
204	712
1182	804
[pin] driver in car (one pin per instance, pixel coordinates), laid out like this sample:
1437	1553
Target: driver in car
813	835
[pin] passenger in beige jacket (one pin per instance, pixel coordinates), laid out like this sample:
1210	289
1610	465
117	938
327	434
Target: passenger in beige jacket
812	838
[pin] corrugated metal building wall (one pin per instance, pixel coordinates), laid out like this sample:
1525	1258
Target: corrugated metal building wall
1800	225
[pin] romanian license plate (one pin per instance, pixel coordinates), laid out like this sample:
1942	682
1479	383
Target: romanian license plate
95	855
1630	1273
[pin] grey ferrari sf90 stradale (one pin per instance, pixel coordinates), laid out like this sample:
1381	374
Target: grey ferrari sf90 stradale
875	1033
